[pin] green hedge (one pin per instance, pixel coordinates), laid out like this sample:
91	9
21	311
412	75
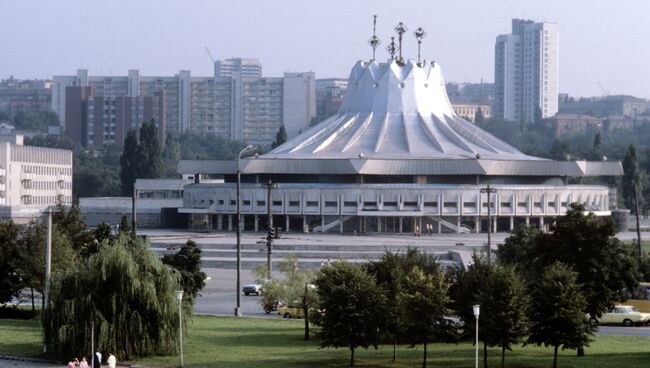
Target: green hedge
13	312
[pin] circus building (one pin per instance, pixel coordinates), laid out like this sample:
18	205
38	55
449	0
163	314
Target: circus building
396	158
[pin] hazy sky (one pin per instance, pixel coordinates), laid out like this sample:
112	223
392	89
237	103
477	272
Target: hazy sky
605	41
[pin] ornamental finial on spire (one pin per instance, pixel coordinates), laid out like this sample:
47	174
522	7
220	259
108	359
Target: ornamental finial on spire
400	28
391	48
374	41
419	35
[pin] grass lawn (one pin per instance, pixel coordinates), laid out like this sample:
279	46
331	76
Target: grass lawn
254	342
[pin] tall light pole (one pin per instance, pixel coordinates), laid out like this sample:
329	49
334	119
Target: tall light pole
48	265
636	212
477	311
238	286
270	233
179	298
489	191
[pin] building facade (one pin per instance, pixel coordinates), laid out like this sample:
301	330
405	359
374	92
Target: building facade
526	72
469	109
329	96
237	103
94	121
396	157
616	105
32	179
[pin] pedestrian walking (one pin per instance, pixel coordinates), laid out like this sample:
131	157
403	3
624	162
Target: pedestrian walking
112	361
73	363
83	363
98	360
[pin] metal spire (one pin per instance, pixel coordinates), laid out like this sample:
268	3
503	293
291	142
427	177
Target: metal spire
419	35
391	48
374	41
400	28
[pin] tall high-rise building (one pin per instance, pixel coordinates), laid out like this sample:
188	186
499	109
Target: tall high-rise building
299	102
249	68
94	121
526	72
237	103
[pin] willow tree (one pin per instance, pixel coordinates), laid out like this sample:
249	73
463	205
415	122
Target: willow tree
126	292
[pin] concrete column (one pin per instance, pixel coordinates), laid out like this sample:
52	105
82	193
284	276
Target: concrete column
421	228
527	220
495	222
256	223
541	223
458	224
477	222
512	223
340	224
400	225
286	223
439	226
322	224
304	223
379	225
220	222
230	222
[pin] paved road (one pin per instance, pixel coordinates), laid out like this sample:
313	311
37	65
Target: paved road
4	363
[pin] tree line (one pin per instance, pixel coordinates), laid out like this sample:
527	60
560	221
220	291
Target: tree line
539	290
111	281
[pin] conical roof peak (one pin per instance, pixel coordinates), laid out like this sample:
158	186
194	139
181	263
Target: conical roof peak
397	110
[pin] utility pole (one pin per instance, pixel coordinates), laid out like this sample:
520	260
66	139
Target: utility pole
270	234
638	228
489	191
48	265
134	223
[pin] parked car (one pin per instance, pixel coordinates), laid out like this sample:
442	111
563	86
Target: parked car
626	315
290	311
252	288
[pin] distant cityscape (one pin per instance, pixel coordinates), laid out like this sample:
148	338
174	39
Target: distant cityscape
239	103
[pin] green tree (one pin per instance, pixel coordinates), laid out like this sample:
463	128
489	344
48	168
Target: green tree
466	293
35	120
72	224
389	272
354	307
280	137
127	292
558	311
423	305
504	304
11	269
294	289
587	244
479	117
32	255
631	177
128	163
187	261
148	154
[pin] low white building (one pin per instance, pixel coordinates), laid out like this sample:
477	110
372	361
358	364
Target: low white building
156	204
32	179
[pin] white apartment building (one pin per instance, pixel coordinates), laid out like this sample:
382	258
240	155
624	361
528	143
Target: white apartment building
249	68
32	179
526	72
237	103
299	103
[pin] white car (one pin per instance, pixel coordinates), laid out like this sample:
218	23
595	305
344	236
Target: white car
249	289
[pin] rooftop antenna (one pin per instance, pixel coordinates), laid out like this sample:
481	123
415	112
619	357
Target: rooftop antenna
419	35
391	48
400	28
374	41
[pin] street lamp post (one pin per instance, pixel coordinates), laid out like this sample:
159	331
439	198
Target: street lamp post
179	298
477	311
238	286
270	233
489	191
